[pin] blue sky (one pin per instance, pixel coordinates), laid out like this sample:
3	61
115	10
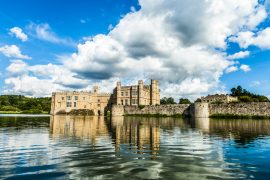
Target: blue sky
76	44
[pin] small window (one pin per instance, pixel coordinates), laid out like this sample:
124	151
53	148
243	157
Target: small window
63	98
84	106
126	102
98	100
75	104
76	98
98	105
126	93
122	93
69	98
83	98
122	102
69	104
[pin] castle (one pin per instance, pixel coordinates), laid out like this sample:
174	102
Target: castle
99	103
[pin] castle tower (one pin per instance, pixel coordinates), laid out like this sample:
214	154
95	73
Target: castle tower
140	92
118	93
154	92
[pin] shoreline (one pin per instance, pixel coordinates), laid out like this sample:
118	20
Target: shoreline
24	115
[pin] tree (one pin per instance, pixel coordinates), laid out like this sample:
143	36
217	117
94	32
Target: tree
166	100
184	101
246	96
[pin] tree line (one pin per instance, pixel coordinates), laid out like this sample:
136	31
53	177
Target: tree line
22	104
246	96
242	94
170	100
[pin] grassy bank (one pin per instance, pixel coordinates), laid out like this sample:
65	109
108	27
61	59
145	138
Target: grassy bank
232	116
23	112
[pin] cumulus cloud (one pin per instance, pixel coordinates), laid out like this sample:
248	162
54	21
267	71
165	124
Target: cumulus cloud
239	55
245	68
165	40
231	69
44	32
248	38
18	32
13	51
40	80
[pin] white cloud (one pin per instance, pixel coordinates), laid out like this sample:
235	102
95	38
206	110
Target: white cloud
45	33
40	80
245	68
17	67
248	38
18	33
165	40
13	51
239	55
231	69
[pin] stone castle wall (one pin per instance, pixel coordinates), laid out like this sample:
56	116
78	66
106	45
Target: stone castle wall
168	110
241	109
201	110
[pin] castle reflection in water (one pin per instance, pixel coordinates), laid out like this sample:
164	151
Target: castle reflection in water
137	137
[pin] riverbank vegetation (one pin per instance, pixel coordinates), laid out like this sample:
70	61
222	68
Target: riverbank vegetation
246	96
232	116
17	104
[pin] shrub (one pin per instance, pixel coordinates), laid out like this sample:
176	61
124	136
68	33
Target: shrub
9	108
141	106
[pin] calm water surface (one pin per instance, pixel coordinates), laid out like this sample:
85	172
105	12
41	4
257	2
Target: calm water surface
68	147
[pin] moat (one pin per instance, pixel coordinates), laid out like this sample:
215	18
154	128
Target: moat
68	147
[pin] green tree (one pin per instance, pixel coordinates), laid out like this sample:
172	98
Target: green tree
184	101
166	100
246	96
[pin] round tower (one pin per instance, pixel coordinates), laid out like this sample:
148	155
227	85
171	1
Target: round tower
201	110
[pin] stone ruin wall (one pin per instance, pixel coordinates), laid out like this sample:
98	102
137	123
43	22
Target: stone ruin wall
197	110
168	110
241	109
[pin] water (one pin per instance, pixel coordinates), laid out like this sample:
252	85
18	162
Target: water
67	147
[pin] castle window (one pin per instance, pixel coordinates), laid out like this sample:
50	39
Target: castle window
134	101
122	102
69	98
98	100
126	102
98	105
134	93
69	104
63	98
122	93
126	93
76	98
75	104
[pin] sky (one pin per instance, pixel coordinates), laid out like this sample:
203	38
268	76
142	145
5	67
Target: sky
194	48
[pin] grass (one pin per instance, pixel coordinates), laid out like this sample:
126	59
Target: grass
232	116
21	112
